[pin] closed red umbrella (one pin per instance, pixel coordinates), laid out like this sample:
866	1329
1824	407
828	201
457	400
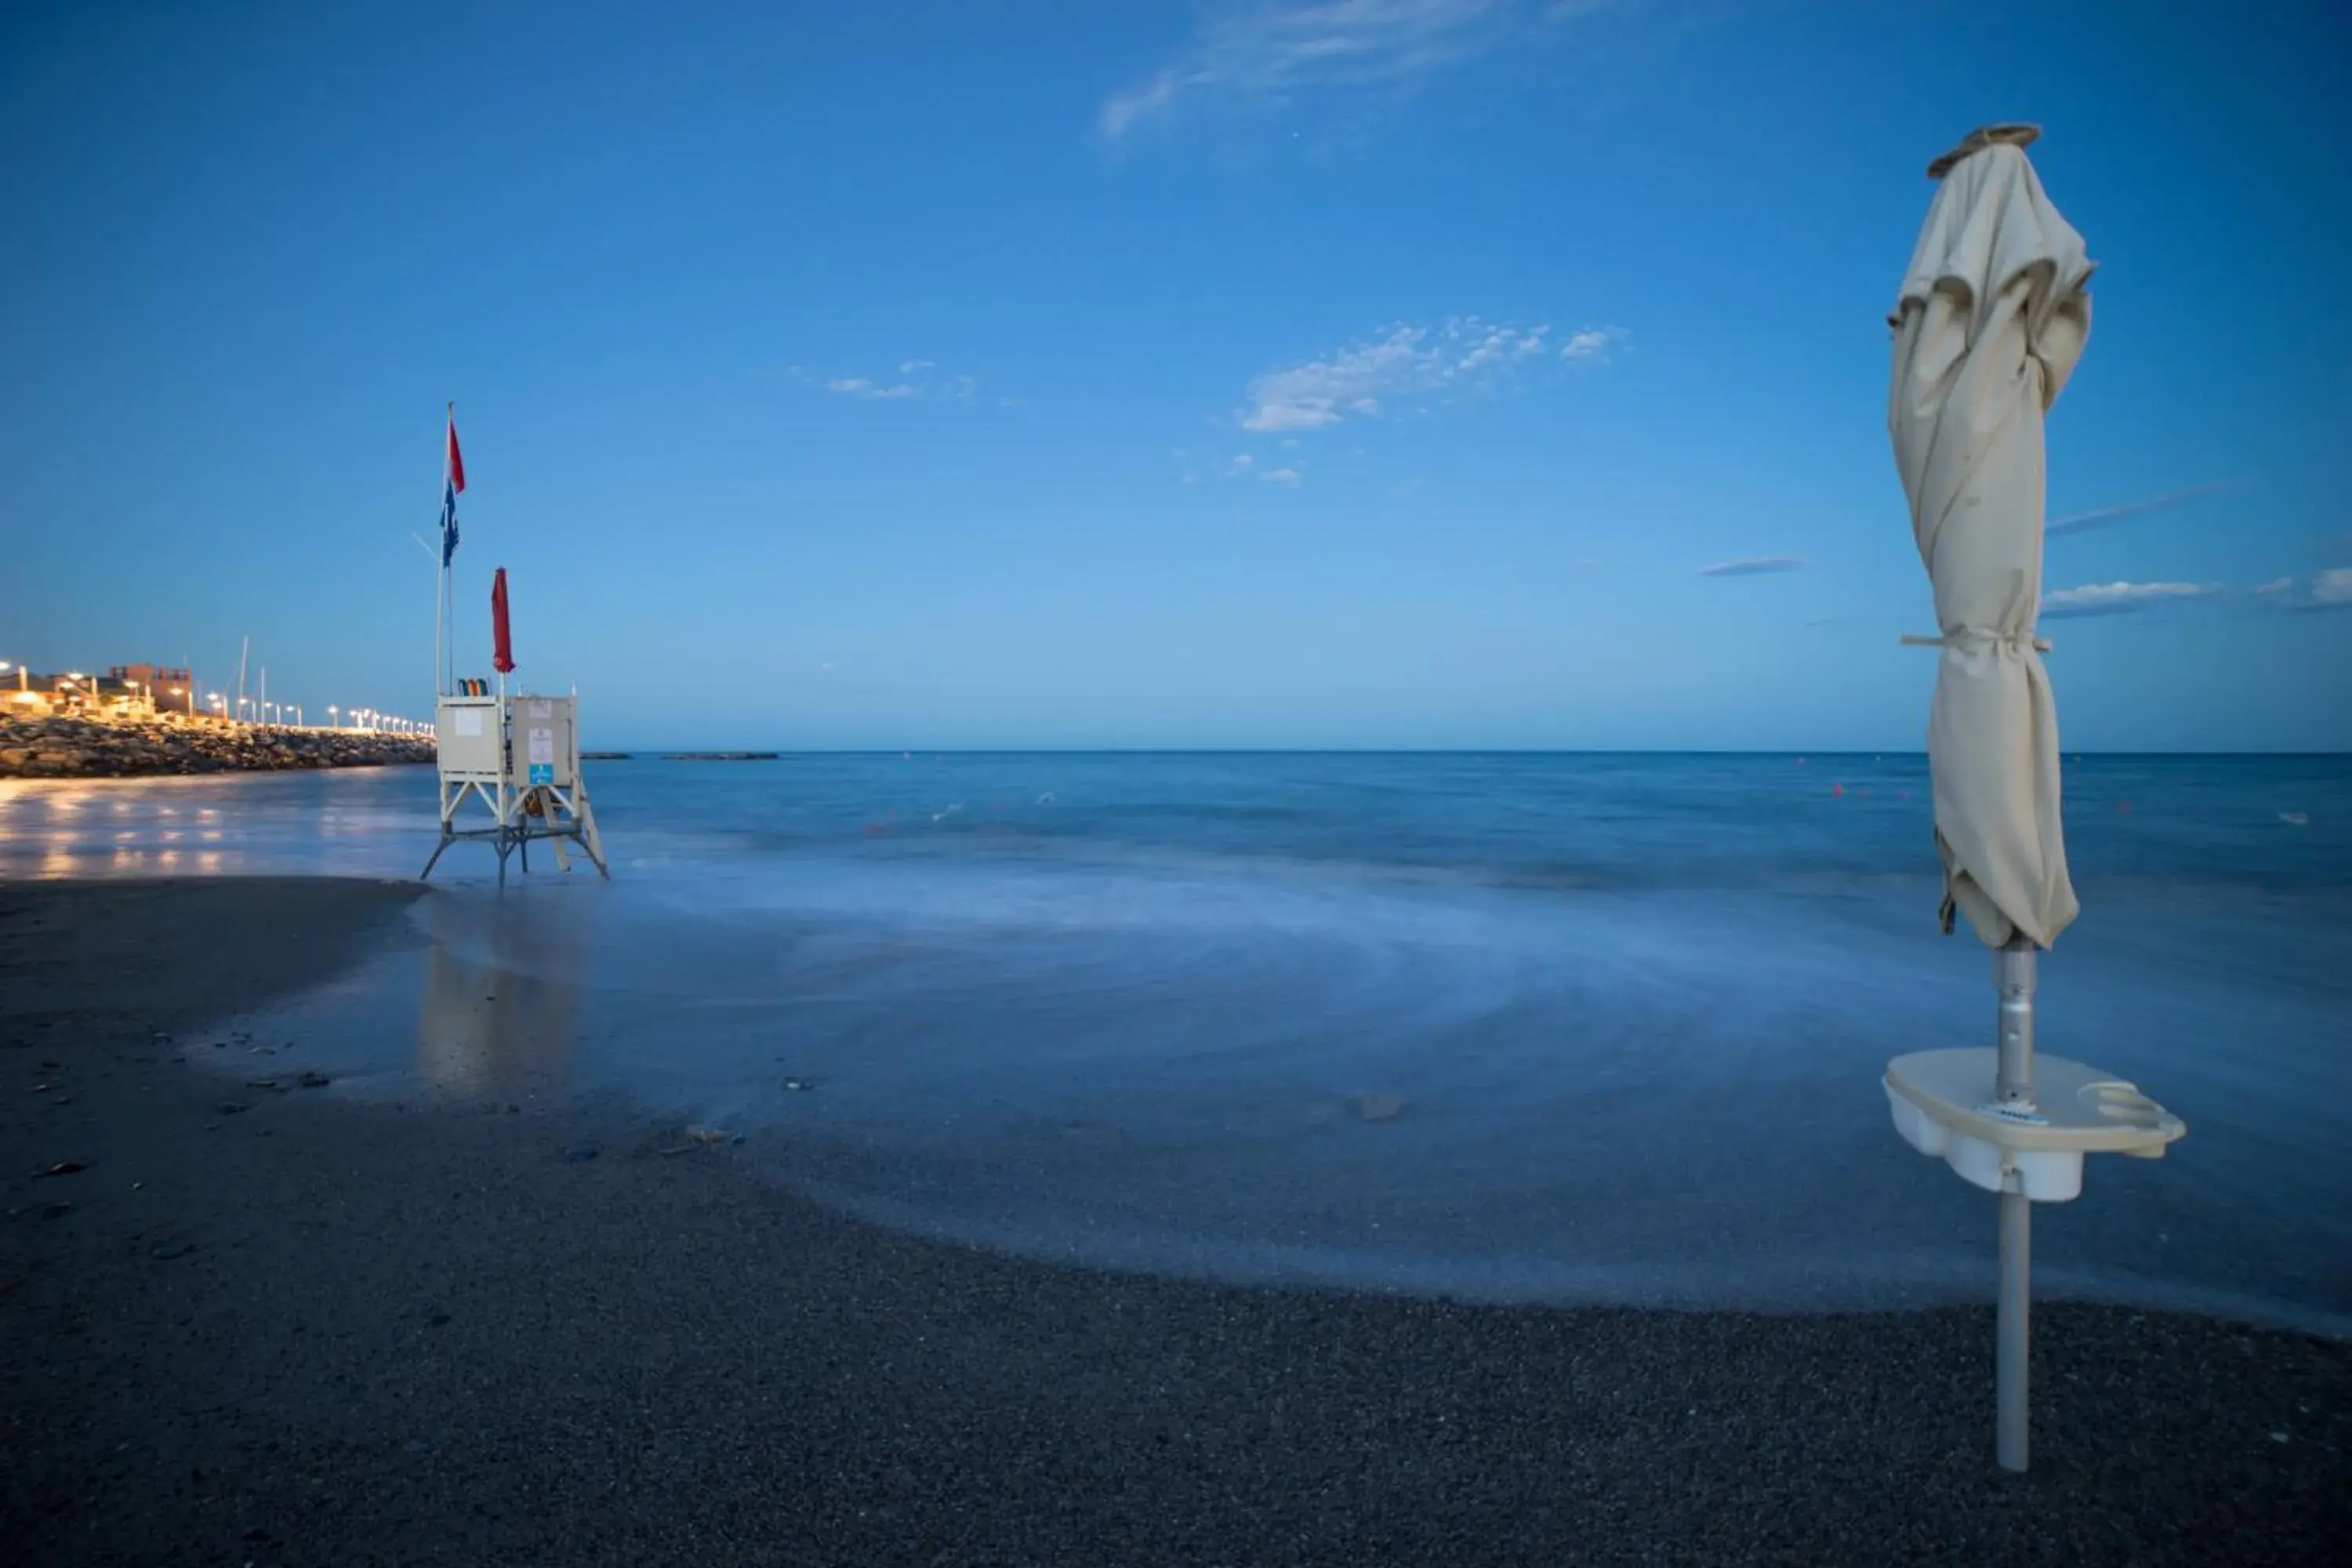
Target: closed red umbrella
501	645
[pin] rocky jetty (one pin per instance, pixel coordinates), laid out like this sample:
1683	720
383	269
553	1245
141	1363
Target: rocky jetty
135	748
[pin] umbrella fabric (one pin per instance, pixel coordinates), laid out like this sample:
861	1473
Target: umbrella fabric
1990	320
501	644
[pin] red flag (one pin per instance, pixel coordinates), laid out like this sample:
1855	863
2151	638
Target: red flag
456	463
501	645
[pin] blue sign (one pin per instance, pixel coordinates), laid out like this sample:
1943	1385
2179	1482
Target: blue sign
543	773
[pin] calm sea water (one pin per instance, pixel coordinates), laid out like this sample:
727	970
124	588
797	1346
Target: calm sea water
1629	1012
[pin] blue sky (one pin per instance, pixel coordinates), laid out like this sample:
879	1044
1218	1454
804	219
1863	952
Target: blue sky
1362	372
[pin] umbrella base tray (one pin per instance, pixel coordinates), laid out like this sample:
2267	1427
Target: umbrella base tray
1945	1105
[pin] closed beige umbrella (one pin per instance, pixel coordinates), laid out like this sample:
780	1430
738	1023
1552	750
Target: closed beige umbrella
1989	321
1992	318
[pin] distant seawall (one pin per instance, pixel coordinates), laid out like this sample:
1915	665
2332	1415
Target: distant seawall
138	748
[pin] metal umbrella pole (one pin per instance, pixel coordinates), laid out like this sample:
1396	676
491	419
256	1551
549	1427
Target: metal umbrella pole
2013	976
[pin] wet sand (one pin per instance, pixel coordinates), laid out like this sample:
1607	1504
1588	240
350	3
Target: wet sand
313	1329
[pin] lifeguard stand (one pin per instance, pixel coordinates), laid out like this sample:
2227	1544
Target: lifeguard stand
520	756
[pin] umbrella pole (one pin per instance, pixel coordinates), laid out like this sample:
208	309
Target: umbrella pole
2011	1425
2013	970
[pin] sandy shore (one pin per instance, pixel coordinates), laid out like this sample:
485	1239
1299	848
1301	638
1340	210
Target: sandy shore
315	1331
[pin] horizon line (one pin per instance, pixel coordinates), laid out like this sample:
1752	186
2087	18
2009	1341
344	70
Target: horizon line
767	753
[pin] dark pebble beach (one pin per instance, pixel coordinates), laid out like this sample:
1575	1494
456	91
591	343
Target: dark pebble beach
313	1329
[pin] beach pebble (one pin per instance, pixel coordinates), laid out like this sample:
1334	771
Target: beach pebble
575	1152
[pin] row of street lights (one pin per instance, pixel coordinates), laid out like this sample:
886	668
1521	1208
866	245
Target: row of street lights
250	711
368	719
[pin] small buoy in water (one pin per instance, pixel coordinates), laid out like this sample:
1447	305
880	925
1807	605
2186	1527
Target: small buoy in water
1837	789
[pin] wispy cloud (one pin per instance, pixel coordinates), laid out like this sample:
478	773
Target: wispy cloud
2330	590
1252	55
1400	363
1281	477
2120	598
916	378
2107	516
858	386
1754	566
1591	343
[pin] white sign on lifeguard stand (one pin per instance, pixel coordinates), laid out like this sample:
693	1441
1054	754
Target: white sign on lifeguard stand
520	757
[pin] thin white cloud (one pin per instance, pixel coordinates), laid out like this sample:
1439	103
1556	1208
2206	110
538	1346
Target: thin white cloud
2120	598
1400	364
916	379
2331	590
2107	516
1753	566
1281	477
1253	55
858	386
1591	343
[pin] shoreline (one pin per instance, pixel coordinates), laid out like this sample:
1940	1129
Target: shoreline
318	1329
174	744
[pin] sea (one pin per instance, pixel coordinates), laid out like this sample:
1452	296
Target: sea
1529	1027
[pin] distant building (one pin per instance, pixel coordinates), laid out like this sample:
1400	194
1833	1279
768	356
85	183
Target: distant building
124	689
165	686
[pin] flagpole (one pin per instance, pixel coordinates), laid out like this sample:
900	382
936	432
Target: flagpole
441	585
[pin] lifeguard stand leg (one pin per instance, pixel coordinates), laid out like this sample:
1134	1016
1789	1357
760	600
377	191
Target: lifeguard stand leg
590	839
